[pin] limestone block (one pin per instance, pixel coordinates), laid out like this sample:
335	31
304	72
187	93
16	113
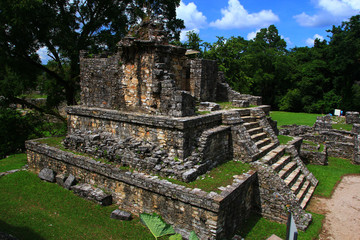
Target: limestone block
93	194
120	215
70	181
47	175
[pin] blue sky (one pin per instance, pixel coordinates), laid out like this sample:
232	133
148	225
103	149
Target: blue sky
299	21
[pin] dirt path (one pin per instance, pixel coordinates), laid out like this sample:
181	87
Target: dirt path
342	211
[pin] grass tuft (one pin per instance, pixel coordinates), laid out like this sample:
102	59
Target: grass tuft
220	176
284	139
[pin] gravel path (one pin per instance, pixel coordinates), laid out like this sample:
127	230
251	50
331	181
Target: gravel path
342	211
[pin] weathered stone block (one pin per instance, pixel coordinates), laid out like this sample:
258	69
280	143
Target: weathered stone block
120	215
47	175
70	181
352	117
93	194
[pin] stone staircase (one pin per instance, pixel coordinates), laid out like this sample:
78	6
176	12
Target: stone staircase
291	172
263	140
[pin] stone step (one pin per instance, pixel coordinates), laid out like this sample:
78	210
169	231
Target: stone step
249	119
265	150
251	125
254	131
287	169
258	137
292	177
307	197
274	155
263	142
298	184
303	191
281	162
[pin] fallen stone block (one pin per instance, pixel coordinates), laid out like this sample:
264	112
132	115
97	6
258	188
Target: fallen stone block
120	215
47	175
93	194
70	181
60	179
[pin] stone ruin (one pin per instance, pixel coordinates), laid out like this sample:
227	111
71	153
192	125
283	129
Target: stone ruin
139	113
336	143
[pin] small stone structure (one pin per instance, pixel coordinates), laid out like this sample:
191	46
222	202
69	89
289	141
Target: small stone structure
352	117
138	112
337	143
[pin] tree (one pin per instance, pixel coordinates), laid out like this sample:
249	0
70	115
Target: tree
345	61
64	28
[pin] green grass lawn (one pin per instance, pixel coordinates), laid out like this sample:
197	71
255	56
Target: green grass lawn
289	118
12	162
331	174
33	209
259	228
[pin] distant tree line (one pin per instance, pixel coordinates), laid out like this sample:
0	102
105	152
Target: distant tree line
303	79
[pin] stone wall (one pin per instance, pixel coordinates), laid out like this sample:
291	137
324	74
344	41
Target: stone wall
210	215
180	147
142	76
203	79
352	117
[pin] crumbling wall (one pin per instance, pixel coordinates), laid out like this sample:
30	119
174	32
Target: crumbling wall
203	79
211	215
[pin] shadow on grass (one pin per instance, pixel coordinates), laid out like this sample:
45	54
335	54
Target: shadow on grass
22	233
248	225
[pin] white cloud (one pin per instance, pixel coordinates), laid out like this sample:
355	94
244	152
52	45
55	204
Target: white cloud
252	35
310	41
183	33
330	12
193	19
43	54
287	40
236	16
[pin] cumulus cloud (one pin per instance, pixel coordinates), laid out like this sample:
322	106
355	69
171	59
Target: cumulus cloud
183	33
252	35
236	16
43	54
310	41
193	19
330	12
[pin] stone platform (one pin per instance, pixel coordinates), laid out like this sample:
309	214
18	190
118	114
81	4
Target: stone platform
211	215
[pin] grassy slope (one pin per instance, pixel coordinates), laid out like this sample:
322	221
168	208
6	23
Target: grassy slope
330	175
32	209
13	162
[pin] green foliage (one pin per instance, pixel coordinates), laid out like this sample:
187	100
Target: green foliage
193	236
284	139
331	174
339	126
156	225
289	118
33	209
12	162
176	237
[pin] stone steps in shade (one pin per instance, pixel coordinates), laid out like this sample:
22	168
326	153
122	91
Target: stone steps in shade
287	169
263	142
258	137
277	166
298	184
254	131
249	119
251	125
274	155
307	197
292	177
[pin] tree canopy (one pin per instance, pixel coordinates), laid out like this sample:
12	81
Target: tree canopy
63	28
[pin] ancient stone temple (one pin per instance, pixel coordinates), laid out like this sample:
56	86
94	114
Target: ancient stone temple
139	112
